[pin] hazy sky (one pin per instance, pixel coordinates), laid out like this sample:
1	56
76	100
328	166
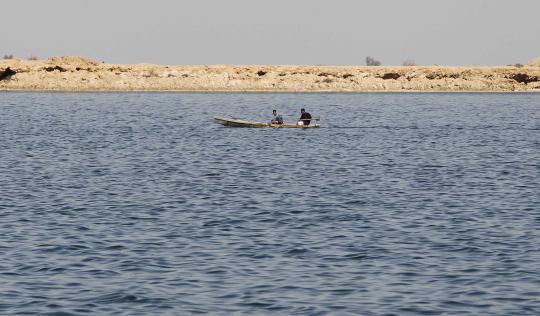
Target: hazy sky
329	32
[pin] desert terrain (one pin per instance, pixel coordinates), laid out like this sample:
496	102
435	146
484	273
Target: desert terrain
81	74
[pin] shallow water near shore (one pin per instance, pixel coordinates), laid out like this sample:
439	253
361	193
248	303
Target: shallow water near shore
139	204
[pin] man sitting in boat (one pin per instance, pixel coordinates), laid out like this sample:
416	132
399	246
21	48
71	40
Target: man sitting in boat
305	118
277	118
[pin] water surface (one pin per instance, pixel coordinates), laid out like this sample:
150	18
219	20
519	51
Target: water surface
139	204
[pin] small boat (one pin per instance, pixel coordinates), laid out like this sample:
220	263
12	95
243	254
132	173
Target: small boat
234	122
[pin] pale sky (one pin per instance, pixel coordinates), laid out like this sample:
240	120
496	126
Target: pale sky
331	32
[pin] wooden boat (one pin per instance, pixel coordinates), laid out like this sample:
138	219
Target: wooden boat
234	122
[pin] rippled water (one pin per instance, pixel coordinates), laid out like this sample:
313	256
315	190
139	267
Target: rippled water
139	204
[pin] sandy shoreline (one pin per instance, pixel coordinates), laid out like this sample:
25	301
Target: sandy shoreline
81	74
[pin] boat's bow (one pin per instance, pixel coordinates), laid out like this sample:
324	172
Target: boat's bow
233	122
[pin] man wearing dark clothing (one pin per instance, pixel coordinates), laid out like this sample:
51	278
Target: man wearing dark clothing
305	118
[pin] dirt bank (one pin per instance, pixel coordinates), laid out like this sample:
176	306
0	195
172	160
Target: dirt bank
81	74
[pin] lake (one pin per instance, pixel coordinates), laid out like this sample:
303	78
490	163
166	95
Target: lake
139	204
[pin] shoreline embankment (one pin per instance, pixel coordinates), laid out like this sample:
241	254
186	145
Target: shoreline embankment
81	74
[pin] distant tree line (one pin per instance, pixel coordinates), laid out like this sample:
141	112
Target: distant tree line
408	62
10	56
370	61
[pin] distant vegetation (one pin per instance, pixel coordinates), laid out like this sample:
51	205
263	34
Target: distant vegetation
370	61
8	56
32	57
409	62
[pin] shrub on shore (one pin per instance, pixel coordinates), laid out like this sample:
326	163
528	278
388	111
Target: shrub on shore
408	62
6	74
370	61
32	57
10	56
152	73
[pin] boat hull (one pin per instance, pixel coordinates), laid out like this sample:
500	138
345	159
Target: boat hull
233	122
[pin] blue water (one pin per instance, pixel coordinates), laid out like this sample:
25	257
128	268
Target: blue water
139	204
